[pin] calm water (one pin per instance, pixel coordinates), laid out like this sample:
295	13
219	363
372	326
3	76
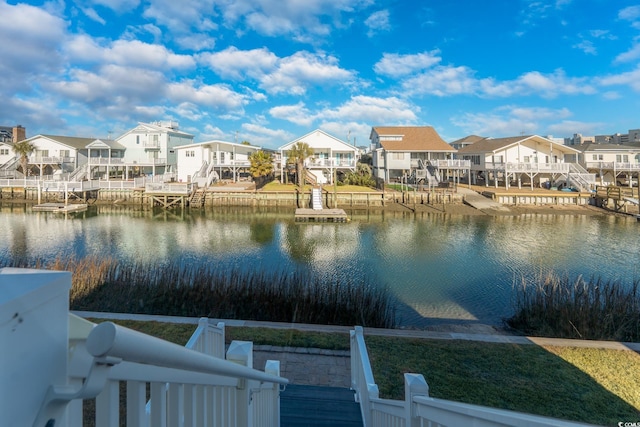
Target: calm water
441	268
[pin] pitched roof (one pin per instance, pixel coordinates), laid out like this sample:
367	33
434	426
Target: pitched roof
414	138
492	144
470	139
71	141
608	147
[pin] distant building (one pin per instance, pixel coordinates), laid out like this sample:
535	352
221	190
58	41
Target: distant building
12	133
466	141
633	136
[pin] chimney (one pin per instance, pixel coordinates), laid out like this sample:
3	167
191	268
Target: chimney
19	134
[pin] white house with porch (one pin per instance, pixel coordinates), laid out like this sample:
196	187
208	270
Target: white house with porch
331	156
150	147
414	152
613	164
529	158
209	161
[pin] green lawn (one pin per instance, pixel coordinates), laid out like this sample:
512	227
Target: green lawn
587	385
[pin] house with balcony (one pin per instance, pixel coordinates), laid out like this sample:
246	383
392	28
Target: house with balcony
613	164
331	156
54	155
528	158
206	162
466	141
150	148
416	153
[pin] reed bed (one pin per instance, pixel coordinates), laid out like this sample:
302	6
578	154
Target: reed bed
173	289
557	306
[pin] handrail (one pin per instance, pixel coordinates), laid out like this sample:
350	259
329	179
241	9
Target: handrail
110	340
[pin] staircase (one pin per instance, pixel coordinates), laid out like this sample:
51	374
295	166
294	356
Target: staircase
306	405
316	198
310	178
197	198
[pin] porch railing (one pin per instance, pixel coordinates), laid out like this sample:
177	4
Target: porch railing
418	408
616	166
452	164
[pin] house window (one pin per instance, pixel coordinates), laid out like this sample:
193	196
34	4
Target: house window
137	139
595	157
65	153
397	156
625	158
498	159
473	159
527	159
190	153
600	157
4	151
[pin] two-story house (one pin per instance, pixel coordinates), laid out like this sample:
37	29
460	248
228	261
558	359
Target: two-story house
211	160
331	156
531	158
150	147
613	164
400	151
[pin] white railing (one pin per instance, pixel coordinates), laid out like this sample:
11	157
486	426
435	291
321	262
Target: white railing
117	185
533	167
208	339
330	163
420	409
71	185
617	166
168	188
51	159
106	161
451	164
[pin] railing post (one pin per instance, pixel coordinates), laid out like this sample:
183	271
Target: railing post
241	352
272	367
414	385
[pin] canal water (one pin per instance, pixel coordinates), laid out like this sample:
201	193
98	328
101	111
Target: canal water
441	268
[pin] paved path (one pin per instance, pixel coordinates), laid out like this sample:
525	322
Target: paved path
312	366
479	201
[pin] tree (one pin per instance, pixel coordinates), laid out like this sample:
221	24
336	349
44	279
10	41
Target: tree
261	164
23	149
298	153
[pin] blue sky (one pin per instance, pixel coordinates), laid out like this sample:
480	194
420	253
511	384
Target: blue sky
269	71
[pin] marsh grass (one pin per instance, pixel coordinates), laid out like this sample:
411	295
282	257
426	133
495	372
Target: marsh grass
110	285
557	306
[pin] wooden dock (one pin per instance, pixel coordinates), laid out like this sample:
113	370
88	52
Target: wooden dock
60	207
321	215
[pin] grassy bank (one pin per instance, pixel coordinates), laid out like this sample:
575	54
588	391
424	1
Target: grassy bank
586	385
186	290
556	306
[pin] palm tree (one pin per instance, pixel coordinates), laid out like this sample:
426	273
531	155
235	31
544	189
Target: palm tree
298	153
261	164
23	149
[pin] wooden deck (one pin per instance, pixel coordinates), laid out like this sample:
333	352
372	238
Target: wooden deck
321	215
60	207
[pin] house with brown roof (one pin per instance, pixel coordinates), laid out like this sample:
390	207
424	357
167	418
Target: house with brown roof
400	150
466	141
529	158
615	164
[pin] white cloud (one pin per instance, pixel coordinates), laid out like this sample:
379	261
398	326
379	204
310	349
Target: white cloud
509	121
442	81
395	65
263	136
377	22
586	46
297	113
211	132
295	73
236	64
218	96
630	78
370	109
630	13
118	5
630	55
93	15
569	127
536	83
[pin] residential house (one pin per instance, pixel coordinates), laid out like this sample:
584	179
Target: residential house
613	164
331	156
533	157
213	160
55	154
466	141
398	151
105	159
150	147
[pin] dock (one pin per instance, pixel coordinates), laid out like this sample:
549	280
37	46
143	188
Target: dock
321	215
60	207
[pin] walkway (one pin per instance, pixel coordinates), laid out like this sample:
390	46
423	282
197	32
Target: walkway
479	201
312	366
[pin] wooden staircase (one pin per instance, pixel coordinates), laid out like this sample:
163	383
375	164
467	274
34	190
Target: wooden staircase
197	198
306	405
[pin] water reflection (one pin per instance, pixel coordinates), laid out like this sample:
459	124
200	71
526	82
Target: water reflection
459	268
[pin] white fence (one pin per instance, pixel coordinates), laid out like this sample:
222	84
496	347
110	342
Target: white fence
418	409
56	362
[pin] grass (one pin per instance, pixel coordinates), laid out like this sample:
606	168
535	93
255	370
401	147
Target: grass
556	306
277	186
586	385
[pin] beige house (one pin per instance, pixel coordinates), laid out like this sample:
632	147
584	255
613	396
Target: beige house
529	158
403	151
613	164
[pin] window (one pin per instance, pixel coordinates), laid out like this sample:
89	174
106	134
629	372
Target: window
498	159
4	151
190	153
618	158
473	159
65	153
137	139
527	159
600	157
397	156
625	158
595	157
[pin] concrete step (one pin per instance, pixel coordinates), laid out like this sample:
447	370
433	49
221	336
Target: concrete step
305	405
